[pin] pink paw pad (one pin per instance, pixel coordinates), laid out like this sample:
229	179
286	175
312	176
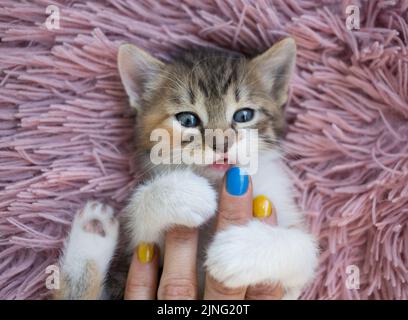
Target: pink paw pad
95	226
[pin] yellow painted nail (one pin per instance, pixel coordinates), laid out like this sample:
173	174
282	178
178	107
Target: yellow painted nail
262	207
145	252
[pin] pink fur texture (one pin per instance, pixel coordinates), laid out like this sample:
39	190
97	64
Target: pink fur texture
66	130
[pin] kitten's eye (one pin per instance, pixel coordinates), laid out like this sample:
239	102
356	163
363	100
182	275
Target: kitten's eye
244	115
188	119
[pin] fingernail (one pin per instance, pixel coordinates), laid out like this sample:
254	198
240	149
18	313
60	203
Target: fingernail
236	181
262	207
145	252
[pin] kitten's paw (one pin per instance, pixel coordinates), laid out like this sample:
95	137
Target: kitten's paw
259	253
93	236
176	198
97	218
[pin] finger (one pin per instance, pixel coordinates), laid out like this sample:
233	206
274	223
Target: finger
142	277
179	277
235	207
263	209
235	204
215	290
264	292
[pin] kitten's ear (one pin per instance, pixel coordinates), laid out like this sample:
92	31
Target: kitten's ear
137	70
275	67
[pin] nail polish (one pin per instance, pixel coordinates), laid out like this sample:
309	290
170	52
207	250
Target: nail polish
237	181
145	252
261	207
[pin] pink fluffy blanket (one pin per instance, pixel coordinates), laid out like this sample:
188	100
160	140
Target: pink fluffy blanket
66	130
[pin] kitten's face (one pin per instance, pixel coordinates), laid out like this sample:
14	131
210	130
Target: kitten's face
205	91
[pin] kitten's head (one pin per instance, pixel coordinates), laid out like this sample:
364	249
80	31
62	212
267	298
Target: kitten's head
207	89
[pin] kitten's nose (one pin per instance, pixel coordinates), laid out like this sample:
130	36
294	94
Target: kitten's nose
220	147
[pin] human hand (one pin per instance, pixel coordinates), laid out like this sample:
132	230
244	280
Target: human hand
179	277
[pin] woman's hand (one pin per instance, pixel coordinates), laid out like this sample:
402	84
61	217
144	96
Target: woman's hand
179	277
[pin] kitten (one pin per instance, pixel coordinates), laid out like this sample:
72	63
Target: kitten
201	90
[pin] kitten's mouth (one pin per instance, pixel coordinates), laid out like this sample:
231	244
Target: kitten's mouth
221	165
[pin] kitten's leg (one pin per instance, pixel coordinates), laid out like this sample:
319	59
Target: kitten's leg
88	252
175	198
257	253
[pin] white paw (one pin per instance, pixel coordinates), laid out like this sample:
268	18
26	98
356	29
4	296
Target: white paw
175	198
93	237
96	220
259	253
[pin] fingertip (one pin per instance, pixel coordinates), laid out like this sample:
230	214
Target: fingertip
235	202
145	252
264	210
236	181
142	277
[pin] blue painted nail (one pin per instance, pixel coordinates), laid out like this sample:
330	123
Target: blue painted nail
237	181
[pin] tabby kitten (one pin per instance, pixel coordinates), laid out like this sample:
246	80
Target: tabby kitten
198	91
